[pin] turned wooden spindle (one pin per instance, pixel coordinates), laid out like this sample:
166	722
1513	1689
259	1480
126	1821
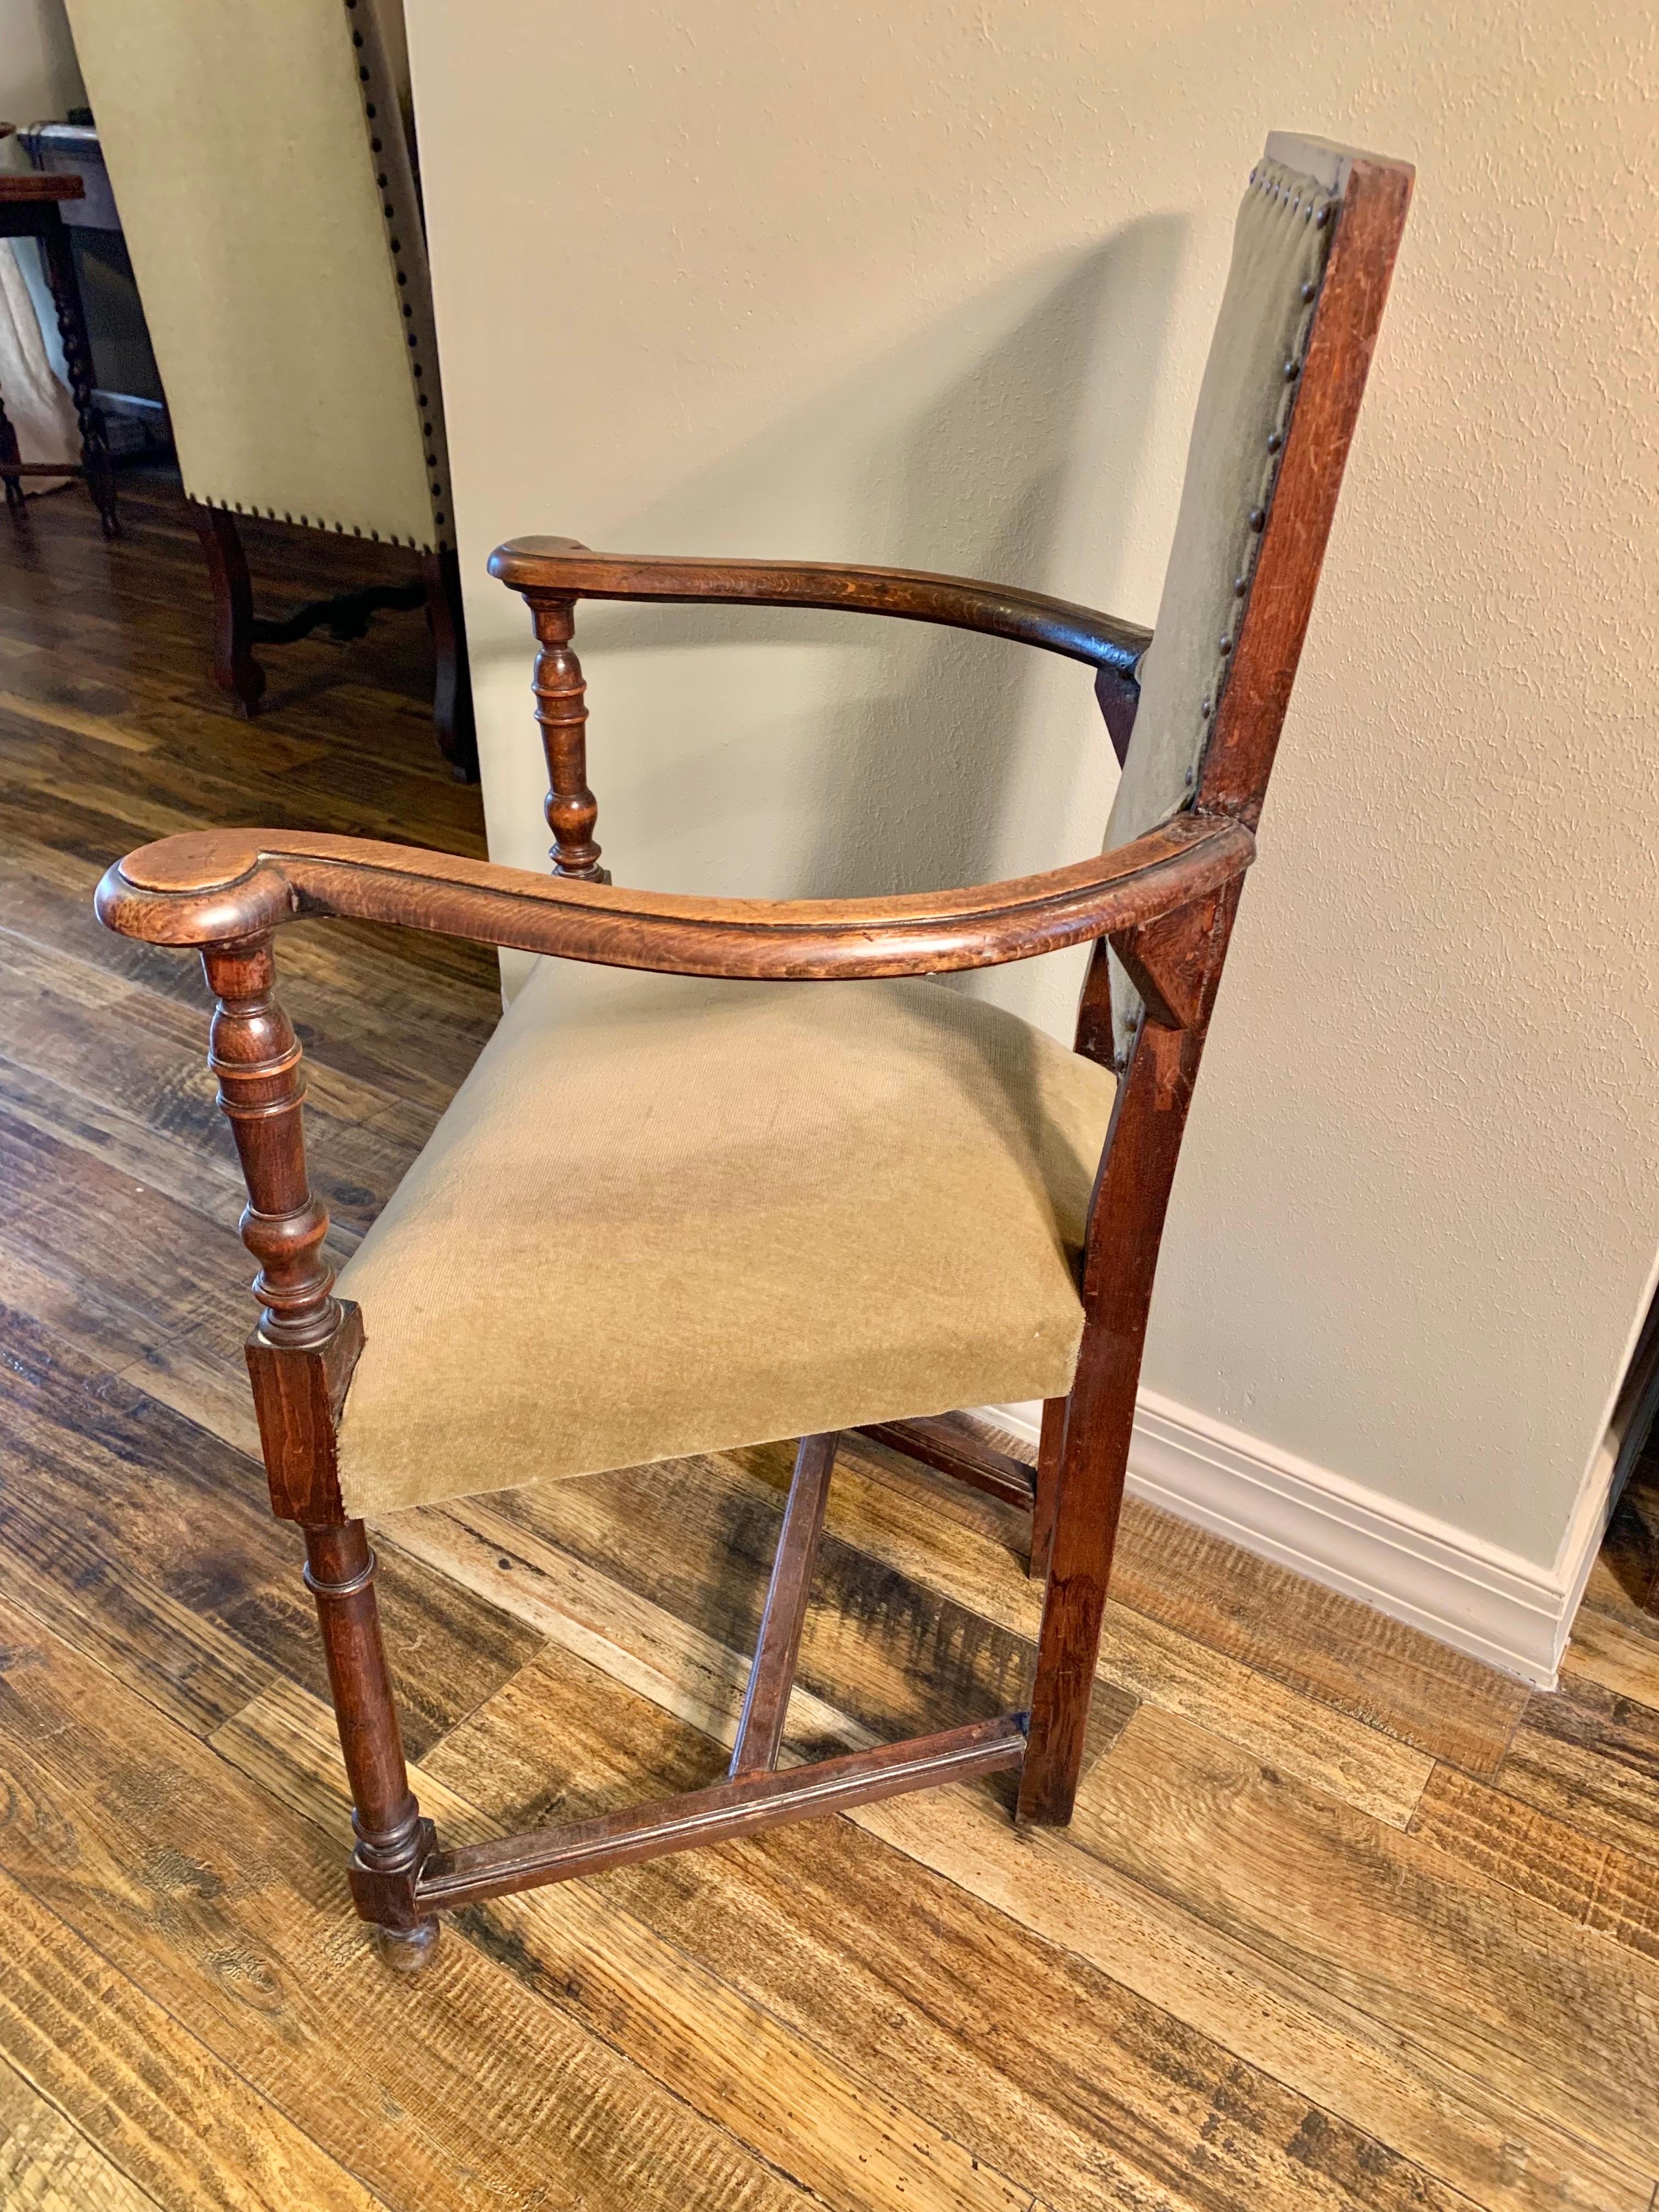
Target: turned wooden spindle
299	1359
561	710
256	1056
392	1838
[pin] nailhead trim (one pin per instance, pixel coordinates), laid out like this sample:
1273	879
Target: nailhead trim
1300	196
309	522
372	94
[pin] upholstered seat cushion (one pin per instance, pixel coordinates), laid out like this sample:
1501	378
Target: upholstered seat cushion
666	1215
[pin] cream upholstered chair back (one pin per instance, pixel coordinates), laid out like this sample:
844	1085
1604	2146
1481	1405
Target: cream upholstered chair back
1280	247
261	163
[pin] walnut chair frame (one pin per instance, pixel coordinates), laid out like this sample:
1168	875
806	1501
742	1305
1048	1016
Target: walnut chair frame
1165	903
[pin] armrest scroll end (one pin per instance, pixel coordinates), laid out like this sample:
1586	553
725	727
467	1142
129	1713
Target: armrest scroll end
207	888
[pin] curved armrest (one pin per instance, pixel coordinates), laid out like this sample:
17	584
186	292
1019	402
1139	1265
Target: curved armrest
217	886
564	569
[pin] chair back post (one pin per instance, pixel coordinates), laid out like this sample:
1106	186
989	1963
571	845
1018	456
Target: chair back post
1375	197
1175	963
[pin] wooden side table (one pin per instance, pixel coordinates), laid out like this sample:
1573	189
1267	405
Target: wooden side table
29	209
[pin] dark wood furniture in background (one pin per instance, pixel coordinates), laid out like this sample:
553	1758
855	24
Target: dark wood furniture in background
263	171
126	382
70	159
1165	903
30	206
237	630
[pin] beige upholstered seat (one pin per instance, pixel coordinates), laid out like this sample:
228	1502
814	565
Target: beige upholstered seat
664	1215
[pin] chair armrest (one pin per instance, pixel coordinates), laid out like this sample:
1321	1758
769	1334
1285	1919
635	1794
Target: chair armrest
217	886
563	569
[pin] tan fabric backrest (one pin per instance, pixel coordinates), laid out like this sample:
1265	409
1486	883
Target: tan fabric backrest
1280	247
257	154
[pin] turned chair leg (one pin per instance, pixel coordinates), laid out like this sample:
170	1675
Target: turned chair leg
451	701
392	1838
299	1362
235	670
8	452
65	285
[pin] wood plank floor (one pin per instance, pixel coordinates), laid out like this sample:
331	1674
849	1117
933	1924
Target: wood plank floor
1344	1920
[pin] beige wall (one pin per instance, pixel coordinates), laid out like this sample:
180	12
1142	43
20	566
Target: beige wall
38	80
933	284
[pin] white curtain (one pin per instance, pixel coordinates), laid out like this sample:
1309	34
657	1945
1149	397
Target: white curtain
37	405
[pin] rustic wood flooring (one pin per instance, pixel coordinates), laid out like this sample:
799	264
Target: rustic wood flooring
1344	1921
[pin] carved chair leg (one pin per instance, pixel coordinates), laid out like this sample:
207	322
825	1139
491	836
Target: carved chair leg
8	452
451	701
299	1362
392	1838
1047	1486
235	669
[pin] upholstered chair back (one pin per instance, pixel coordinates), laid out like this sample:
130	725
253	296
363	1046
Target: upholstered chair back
1279	247
261	165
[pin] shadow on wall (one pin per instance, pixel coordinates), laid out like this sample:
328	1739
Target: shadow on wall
730	755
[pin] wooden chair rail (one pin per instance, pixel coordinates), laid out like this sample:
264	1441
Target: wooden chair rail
225	886
474	1871
947	1443
560	567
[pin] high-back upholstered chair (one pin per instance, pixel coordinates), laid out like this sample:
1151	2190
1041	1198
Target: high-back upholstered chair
262	161
731	1171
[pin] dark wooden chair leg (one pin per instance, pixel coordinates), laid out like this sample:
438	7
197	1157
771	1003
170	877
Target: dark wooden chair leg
1133	1195
9	452
299	1361
1047	1486
766	1703
235	669
393	1839
452	702
77	359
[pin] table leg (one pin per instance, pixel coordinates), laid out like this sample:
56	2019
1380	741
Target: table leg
77	356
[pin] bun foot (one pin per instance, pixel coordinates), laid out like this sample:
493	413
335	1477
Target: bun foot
406	1950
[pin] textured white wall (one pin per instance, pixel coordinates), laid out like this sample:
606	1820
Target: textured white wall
933	284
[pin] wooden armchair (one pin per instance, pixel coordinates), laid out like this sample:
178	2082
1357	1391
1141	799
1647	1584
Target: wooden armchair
688	1201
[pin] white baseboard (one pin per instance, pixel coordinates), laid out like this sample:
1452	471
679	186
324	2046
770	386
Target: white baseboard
1500	1608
